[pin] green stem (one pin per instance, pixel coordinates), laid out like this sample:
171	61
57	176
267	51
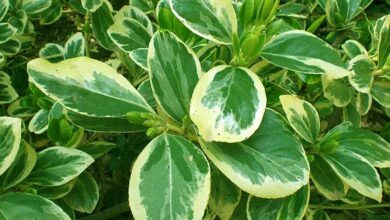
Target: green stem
87	33
109	213
350	207
140	80
190	136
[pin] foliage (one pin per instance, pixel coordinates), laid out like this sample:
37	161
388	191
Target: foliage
194	109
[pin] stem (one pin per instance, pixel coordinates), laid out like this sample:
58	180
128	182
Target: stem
87	33
109	213
190	136
140	80
350	207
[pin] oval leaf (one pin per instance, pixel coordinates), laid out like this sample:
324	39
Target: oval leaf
40	122
101	20
6	32
361	75
10	138
35	6
75	46
380	90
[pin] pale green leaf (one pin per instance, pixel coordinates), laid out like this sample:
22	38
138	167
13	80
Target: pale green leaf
135	13
10	138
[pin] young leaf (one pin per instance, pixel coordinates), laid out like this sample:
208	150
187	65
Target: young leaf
32	206
75	46
270	164
55	192
361	75
135	13
363	103
58	165
318	214
80	84
10	138
91	5
11	47
174	71
293	50
355	171
213	20
40	122
287	208
84	195
380	90
170	180
303	117
233	101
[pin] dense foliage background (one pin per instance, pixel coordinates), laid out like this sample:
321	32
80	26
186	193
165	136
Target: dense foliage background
56	163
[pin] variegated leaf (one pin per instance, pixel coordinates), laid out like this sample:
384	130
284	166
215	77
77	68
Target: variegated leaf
91	5
213	20
101	20
40	122
353	49
337	91
183	176
348	8
380	90
32	206
52	52
360	141
75	46
145	89
51	14
4	5
288	208
21	168
58	165
18	19
355	171
129	34
35	6
326	180
363	103
97	149
384	44
91	82
303	117
55	192
6	32
232	99
84	195
270	164
318	214
7	92
361	75
11	47
135	13
287	50
140	57
174	72
10	138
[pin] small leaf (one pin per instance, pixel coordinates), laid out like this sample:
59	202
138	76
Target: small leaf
40	122
380	90
363	103
4	5
10	138
97	149
384	44
318	214
303	117
101	20
51	14
75	46
361	75
35	6
140	57
145	89
7	92
353	49
337	91
6	32
91	5
52	52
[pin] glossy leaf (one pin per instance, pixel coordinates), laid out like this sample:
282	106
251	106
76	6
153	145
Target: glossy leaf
75	46
40	122
303	117
35	6
232	99
213	20
58	165
145	89
97	149
91	5
361	75
287	50
51	14
270	164
183	176
174	71
140	57
101	20
10	138
52	52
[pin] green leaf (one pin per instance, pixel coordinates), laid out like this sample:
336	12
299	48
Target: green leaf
10	138
137	14
51	14
144	5
97	149
140	57
75	46
23	107
21	168
287	208
270	164
52	52
91	5
303	117
6	32
337	91
225	196
326	180
215	21
55	192
11	47
384	44
361	75
129	34
353	49
35	6
145	89
58	165
355	171
360	141
380	90
91	82
32	206
351	114
293	50
363	103
40	122
318	214
170	180
232	99
7	92
4	5
101	20
84	195
174	72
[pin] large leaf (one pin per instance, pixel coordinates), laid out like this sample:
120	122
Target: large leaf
380	90
326	180
35	6
360	141
4	5
84	195
58	165
361	73
75	46
25	206
174	72
88	87
270	164
233	101
10	138
91	5
293	50
213	20
355	171
303	117
101	20
288	208
170	180
6	32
